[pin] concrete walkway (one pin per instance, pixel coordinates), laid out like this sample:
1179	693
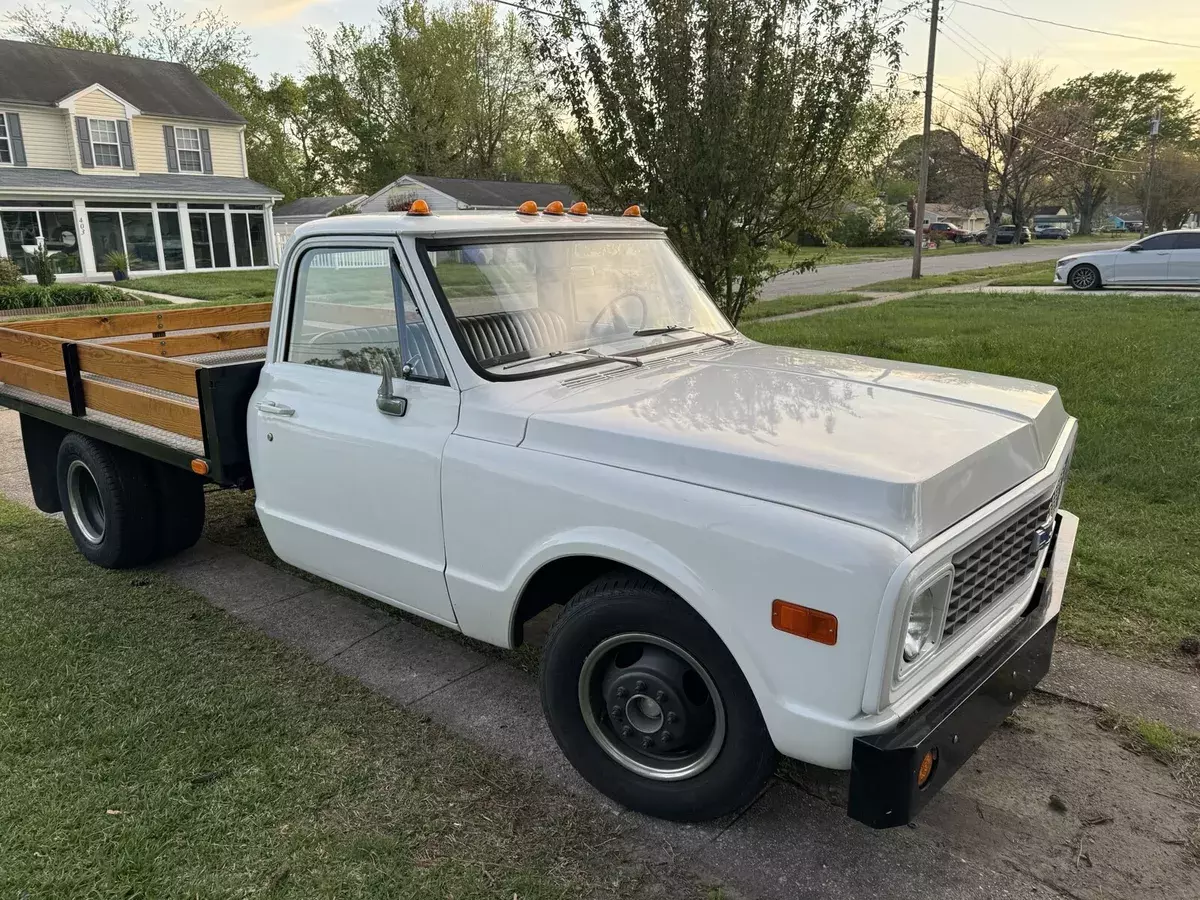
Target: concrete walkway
832	279
987	835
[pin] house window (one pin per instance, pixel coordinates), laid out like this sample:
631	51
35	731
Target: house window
5	147
105	149
187	145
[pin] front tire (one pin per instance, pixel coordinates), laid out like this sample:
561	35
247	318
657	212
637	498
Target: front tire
648	704
107	497
1085	277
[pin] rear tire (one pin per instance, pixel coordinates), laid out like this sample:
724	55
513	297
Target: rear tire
108	502
1085	277
180	500
627	663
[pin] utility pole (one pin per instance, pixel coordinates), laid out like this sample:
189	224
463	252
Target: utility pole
1154	123
923	181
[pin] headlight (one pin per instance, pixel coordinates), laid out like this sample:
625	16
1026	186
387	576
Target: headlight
924	613
1067	259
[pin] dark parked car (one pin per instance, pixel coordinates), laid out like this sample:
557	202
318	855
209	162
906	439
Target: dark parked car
1005	234
1054	233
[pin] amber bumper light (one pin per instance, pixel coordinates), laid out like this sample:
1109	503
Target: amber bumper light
928	764
804	622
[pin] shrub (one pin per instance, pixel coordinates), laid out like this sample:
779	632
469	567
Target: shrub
43	265
116	261
36	296
10	272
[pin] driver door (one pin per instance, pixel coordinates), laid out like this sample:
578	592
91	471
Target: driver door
1149	265
348	482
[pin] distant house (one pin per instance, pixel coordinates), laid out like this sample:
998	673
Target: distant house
959	217
1054	215
464	193
308	208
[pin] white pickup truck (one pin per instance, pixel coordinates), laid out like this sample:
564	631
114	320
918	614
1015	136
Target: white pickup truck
473	417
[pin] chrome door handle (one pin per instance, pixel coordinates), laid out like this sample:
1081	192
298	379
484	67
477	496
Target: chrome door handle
271	408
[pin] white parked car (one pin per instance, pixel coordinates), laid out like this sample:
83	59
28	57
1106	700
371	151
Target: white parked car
1169	258
855	562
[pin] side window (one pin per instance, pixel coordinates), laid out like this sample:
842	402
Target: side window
1189	240
1159	242
344	315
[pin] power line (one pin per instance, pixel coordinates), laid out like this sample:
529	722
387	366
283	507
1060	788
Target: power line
972	40
1117	34
545	12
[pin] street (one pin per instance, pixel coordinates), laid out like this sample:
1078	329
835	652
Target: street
830	279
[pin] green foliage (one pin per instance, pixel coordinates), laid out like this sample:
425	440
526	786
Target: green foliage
731	122
44	266
116	261
36	296
873	224
10	272
254	285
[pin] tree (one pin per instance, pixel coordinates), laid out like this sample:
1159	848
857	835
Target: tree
110	31
729	120
207	41
1174	193
1108	118
1005	132
953	178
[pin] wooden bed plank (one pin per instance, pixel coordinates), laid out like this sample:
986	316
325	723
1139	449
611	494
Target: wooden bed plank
138	368
202	342
34	378
169	415
29	346
89	327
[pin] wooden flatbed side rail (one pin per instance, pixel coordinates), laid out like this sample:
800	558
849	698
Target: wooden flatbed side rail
34	378
175	376
31	347
201	342
89	327
169	415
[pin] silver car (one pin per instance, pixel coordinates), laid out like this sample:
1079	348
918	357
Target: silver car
1169	258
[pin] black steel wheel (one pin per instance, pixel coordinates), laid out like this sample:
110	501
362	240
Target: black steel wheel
1084	277
647	703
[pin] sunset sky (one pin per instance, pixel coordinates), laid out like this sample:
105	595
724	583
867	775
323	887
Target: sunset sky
277	27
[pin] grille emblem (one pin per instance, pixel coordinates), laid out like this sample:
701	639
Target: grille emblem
1041	539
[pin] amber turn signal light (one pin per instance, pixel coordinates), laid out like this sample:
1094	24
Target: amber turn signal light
554	208
418	208
634	211
804	622
200	467
928	764
579	209
528	208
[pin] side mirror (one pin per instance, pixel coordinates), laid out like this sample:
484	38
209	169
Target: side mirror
386	401
1135	248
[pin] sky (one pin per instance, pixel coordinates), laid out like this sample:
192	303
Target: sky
277	28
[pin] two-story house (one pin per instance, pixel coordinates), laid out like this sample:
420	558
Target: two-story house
102	153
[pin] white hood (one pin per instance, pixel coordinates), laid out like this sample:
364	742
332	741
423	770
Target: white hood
905	449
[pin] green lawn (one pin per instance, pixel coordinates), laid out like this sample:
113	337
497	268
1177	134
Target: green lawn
154	747
970	276
796	303
1126	369
253	285
1041	274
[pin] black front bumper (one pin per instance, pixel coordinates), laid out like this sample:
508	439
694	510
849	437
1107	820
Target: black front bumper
954	722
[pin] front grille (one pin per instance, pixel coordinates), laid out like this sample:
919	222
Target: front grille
988	568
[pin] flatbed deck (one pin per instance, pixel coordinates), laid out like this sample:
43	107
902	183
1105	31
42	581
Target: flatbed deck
171	383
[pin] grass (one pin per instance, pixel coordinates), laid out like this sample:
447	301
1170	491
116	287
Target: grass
1176	749
796	303
251	285
1126	368
953	279
1037	276
154	747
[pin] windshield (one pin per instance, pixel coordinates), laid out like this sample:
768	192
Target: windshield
568	303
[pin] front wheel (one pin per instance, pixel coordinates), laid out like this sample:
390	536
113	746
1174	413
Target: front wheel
1084	278
648	704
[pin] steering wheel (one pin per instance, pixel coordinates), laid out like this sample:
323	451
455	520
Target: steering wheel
619	320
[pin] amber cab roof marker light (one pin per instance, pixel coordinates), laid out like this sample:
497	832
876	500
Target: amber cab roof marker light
554	208
804	622
418	208
634	212
578	209
528	208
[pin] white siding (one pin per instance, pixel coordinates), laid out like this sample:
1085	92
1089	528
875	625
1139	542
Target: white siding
100	105
151	153
46	135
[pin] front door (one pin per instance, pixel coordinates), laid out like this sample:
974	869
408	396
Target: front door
1149	265
349	485
1185	259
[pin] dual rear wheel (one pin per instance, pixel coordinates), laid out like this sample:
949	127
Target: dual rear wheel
122	509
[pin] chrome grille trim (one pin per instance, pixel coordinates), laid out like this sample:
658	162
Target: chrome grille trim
992	565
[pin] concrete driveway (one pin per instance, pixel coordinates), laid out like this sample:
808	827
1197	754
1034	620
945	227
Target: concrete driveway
831	279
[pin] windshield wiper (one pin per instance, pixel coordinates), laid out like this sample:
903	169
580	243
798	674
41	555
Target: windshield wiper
586	353
669	329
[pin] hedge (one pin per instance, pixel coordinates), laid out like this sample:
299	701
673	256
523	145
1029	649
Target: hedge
32	296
